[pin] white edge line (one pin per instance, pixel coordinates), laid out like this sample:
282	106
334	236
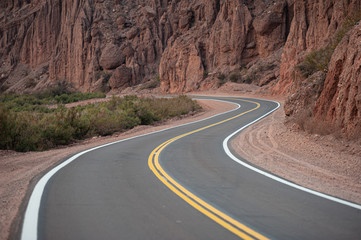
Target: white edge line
30	222
276	178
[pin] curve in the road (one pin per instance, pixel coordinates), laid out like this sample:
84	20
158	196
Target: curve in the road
30	222
204	204
210	211
207	209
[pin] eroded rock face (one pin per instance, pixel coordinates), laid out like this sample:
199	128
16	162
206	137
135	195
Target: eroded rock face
224	36
323	98
340	100
48	32
183	65
186	43
77	40
313	24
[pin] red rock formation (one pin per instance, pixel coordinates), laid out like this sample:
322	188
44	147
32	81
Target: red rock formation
121	78
332	101
187	43
224	36
112	57
181	67
77	40
340	100
313	24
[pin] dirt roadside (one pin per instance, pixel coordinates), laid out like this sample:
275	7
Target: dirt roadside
321	163
18	171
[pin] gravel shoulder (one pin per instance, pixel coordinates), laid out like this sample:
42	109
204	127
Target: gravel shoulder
321	163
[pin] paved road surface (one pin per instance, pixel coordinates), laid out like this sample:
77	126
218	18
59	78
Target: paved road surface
112	193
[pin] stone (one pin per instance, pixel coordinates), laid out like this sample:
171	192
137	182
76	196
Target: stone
111	57
149	12
132	33
121	78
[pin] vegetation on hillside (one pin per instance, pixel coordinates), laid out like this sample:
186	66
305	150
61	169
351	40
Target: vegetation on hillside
319	60
40	102
26	125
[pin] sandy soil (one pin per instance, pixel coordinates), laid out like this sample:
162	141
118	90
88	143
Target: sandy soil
20	171
320	163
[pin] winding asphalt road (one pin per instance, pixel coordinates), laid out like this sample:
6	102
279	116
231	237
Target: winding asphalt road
180	184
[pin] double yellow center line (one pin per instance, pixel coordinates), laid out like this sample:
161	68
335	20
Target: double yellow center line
213	213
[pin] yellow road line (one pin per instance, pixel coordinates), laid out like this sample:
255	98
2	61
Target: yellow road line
216	215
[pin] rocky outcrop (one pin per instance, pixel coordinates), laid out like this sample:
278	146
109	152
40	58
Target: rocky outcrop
224	38
74	40
340	100
313	25
321	99
181	67
121	78
78	40
48	32
188	45
112	57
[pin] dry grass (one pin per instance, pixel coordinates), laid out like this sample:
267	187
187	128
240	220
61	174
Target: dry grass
310	124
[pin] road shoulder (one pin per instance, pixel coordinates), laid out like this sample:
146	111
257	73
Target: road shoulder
321	163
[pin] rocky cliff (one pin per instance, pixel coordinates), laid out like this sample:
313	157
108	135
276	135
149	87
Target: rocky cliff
224	37
313	25
319	67
340	100
187	45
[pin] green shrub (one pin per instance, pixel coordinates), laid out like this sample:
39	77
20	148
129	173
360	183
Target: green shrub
30	83
350	21
250	78
76	97
319	60
154	83
205	74
234	77
6	126
38	102
20	132
221	76
221	79
316	61
29	130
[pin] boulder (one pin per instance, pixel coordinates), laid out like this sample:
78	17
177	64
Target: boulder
148	12
121	78
111	57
